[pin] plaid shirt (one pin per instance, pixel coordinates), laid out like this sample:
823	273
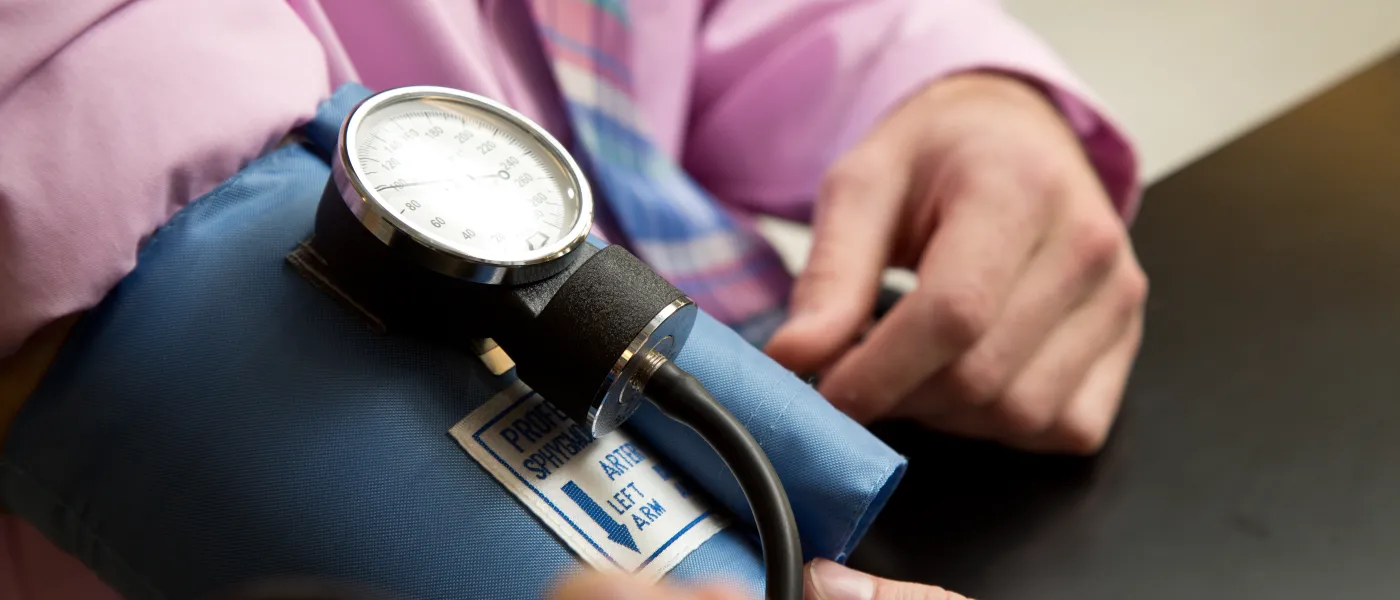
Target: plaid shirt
648	204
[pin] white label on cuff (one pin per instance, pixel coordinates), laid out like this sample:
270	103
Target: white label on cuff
612	500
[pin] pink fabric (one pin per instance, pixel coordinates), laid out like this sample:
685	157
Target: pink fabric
114	114
117	113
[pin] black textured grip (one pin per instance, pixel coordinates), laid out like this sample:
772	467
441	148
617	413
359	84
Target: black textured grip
567	352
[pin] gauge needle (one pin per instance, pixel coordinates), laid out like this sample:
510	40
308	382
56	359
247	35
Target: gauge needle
417	183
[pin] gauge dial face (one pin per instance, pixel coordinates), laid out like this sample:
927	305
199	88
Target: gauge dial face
471	179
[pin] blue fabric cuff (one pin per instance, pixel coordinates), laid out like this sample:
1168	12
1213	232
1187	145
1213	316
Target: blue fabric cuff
218	419
836	473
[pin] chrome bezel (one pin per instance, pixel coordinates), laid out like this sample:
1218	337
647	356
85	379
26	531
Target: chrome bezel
619	396
369	208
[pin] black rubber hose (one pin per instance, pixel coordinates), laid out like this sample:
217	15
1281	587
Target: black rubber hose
681	396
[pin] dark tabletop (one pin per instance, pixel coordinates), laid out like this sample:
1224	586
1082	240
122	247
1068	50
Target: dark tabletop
1258	453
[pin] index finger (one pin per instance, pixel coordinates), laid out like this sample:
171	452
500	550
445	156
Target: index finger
855	219
988	233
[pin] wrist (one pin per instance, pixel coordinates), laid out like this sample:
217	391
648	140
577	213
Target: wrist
1103	144
984	86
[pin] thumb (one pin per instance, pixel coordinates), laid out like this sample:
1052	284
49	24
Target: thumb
853	230
827	580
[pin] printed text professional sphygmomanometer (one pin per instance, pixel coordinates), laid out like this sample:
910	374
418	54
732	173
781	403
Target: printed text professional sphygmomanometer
476	229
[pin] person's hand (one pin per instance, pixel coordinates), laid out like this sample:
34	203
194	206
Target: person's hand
824	580
1028	309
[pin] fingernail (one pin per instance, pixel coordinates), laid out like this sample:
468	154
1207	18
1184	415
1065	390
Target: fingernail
832	581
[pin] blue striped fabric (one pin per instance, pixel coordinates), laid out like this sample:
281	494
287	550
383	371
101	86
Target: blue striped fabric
655	209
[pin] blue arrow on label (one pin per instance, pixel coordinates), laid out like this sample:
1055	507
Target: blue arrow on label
617	532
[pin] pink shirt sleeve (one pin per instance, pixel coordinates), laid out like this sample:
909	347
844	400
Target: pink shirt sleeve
783	87
115	114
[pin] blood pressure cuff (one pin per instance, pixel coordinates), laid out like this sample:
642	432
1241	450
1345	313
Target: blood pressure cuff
218	420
